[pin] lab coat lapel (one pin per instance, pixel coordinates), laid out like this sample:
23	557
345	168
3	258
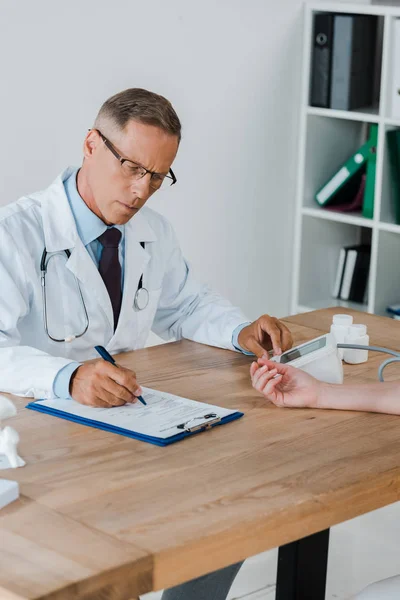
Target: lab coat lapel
59	226
60	233
82	266
137	230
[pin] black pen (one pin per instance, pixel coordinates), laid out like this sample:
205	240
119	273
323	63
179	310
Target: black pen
107	356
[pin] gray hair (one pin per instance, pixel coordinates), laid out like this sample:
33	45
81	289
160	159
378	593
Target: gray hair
140	105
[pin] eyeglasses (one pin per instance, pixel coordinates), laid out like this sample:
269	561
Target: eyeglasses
135	172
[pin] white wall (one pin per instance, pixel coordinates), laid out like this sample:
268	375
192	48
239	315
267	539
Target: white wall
231	70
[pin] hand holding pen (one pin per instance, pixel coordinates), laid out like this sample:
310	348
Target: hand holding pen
104	384
107	356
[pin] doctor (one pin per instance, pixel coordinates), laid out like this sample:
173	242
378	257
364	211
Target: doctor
86	263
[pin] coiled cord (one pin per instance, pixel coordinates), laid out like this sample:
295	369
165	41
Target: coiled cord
385	363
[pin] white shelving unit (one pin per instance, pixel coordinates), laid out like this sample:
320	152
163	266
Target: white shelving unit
326	139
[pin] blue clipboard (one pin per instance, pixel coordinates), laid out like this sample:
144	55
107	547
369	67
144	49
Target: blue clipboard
128	432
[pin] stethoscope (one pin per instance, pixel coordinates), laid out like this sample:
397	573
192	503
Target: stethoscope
140	301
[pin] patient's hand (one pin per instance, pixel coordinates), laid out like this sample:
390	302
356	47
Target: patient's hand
292	387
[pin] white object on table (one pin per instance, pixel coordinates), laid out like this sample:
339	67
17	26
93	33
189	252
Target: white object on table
319	357
340	328
9	438
357	335
9	491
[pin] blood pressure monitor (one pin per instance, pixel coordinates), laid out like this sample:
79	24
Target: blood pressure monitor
319	358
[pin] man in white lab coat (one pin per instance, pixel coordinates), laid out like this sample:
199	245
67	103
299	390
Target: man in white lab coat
114	269
86	263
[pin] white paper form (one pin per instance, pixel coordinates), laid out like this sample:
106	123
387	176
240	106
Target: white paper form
158	419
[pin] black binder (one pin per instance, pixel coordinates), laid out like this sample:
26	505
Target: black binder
355	272
360	275
322	60
353	57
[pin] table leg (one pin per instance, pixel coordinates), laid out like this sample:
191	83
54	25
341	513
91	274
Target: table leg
302	567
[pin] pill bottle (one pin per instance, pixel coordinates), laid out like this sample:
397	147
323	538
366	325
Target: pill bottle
340	328
357	335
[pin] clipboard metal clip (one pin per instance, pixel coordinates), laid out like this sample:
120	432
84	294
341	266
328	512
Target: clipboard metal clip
208	421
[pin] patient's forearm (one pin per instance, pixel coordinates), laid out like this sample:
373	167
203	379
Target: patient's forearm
375	397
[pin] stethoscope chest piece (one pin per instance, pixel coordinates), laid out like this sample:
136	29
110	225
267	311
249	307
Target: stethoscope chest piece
141	300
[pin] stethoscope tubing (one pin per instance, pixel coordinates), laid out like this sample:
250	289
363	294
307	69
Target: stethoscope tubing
141	299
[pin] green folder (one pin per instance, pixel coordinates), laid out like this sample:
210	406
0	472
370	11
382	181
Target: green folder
393	143
369	194
345	173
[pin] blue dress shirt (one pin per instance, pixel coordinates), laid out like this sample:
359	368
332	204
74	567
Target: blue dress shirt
235	336
90	227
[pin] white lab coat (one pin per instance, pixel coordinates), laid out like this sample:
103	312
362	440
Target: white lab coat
178	307
386	589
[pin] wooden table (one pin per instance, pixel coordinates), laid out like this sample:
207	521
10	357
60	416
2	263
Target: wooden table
106	517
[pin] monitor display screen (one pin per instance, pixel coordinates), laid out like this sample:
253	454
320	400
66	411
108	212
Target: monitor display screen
306	349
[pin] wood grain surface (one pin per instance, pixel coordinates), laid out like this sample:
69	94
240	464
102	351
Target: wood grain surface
106	517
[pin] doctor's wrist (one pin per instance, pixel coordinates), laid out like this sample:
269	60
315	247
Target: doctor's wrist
71	381
61	384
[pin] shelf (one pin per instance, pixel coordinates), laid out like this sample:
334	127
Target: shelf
368	115
328	145
328	137
331	303
362	9
387	271
391	227
392	122
320	248
349	218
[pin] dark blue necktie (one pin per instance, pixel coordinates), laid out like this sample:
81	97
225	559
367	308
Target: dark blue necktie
110	268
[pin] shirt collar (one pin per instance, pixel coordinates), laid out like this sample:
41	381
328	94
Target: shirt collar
89	225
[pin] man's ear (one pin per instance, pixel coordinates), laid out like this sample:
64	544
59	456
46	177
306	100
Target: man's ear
91	143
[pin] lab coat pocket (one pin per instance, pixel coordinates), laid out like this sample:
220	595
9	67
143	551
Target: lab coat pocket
155	270
153	278
146	316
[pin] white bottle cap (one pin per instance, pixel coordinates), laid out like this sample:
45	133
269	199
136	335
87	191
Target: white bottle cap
356	331
342	320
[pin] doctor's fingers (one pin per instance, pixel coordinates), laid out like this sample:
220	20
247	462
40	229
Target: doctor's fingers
117	393
126	379
122	376
281	338
97	402
254	346
286	336
108	399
